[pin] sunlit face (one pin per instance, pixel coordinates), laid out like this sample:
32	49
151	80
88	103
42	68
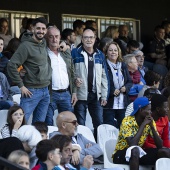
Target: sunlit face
1	45
112	53
24	162
66	154
71	125
160	34
140	60
4	27
56	157
133	65
18	115
72	38
39	31
53	38
88	38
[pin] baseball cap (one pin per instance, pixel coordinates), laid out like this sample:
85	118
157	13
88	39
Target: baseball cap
139	103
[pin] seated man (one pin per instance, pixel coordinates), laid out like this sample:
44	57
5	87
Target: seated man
67	125
63	142
133	133
159	108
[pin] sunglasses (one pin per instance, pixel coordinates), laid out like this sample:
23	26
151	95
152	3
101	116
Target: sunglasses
74	122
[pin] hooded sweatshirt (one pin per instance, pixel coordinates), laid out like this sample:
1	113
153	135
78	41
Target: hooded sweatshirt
32	55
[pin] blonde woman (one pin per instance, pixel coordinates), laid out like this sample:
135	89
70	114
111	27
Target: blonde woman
119	86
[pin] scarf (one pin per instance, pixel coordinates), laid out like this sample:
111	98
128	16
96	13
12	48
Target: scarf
118	78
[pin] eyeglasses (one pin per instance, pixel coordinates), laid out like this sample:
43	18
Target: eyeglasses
88	37
74	122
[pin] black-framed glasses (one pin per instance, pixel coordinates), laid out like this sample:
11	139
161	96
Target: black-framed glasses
74	122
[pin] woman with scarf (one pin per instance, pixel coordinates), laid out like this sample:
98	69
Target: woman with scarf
120	84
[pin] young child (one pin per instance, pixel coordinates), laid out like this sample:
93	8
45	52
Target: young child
42	128
15	120
19	157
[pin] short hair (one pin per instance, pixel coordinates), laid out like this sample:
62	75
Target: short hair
120	59
41	126
43	148
78	23
13	45
29	22
16	155
128	58
133	43
103	42
9	117
40	19
157	100
150	77
61	141
89	23
165	23
66	32
3	20
166	92
150	92
158	27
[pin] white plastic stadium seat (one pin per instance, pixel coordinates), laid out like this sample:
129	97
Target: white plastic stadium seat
86	132
16	98
163	163
108	162
51	129
106	132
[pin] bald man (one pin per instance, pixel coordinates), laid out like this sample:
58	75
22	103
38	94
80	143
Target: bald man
67	125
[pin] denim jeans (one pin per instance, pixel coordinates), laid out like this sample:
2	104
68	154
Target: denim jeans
60	101
109	116
95	110
6	104
36	104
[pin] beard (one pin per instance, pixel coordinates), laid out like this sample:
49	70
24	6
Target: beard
39	38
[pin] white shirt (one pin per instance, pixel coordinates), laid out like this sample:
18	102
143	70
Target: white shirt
60	78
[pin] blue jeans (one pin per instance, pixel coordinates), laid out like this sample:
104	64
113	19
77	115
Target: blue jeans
6	104
109	116
36	104
60	101
95	110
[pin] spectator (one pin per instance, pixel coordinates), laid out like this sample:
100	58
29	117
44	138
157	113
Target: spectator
132	66
78	27
30	136
64	143
133	133
63	86
92	82
35	96
103	43
152	80
69	37
42	128
67	125
159	108
123	33
120	84
4	31
19	157
48	154
15	120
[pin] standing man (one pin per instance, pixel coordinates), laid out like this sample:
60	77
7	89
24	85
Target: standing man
92	83
32	55
63	76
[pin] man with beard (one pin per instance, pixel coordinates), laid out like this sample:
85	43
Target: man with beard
32	55
67	125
